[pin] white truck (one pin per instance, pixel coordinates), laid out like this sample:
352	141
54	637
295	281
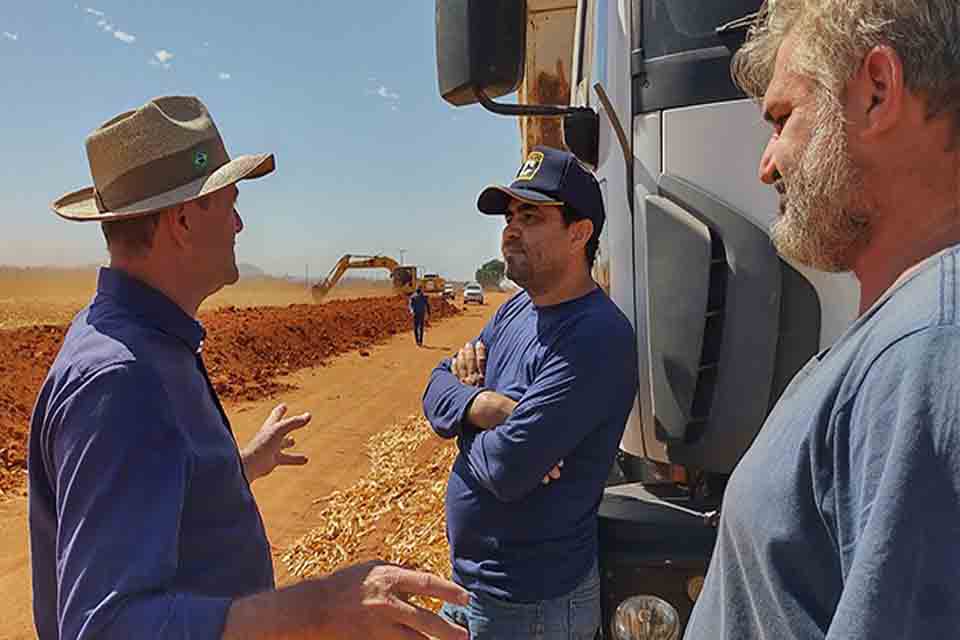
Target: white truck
640	90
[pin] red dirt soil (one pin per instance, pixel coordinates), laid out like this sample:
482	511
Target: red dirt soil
246	350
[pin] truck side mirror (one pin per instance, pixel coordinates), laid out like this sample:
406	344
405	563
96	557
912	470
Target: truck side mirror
481	45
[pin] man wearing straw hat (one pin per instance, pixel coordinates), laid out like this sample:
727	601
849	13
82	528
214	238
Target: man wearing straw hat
142	522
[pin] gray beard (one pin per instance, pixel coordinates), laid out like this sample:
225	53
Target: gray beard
823	212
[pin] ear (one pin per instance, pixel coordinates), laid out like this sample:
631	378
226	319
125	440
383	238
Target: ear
876	95
580	233
178	224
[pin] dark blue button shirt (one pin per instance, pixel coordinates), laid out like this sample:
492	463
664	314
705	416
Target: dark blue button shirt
573	370
142	523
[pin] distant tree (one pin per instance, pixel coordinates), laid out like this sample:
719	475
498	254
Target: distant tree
491	274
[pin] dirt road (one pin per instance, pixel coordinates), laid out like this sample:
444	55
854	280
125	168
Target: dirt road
351	399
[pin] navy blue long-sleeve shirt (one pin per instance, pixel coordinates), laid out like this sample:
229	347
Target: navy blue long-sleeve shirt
142	523
419	305
572	369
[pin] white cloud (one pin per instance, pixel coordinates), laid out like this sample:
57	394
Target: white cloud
161	59
224	76
383	92
393	107
125	37
105	25
11	36
94	12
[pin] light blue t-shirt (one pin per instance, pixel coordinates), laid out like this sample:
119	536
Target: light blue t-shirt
842	521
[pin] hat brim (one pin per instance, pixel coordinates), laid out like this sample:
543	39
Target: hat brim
495	200
81	205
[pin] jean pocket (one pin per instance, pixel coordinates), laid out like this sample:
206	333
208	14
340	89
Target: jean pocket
495	619
585	611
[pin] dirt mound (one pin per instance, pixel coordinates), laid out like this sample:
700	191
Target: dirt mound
247	349
245	352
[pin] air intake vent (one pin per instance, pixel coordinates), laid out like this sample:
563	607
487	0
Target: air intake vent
712	341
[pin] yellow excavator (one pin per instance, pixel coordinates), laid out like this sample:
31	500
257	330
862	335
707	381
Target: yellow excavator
404	277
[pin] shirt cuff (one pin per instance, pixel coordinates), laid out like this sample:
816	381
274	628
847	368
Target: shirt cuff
464	398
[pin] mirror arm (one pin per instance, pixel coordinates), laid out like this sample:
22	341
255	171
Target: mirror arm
625	147
542	111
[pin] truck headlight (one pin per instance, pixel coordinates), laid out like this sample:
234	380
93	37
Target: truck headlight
694	587
646	618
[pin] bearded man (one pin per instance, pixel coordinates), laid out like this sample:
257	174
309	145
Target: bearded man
842	519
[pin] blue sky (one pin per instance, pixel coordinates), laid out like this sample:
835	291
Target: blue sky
370	159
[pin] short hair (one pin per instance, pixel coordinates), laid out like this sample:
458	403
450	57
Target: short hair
571	215
835	35
134	237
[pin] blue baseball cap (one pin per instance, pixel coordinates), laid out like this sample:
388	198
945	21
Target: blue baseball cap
549	177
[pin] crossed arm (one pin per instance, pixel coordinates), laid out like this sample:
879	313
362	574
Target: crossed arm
488	409
562	405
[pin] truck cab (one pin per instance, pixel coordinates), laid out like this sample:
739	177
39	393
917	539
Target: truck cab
641	92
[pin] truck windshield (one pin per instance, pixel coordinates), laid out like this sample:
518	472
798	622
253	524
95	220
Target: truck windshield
675	26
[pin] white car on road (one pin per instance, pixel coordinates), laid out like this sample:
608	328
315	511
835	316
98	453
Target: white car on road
473	292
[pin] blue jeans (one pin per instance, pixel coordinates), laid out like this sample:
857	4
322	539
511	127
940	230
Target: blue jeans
418	322
575	616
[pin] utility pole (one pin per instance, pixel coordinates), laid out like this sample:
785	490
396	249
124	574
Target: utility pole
306	275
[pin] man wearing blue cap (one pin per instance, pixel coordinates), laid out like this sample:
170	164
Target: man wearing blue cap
538	404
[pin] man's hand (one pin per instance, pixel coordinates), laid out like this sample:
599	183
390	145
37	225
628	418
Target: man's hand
490	409
470	363
371	602
266	451
362	602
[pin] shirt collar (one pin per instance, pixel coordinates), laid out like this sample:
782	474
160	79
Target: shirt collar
151	306
908	274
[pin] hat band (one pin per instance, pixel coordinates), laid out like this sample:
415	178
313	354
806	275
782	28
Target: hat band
162	175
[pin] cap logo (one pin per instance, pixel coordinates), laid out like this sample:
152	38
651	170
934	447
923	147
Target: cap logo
531	166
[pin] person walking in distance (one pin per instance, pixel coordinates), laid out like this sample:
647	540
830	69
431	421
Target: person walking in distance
420	310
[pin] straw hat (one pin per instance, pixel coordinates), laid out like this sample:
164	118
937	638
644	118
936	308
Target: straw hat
165	153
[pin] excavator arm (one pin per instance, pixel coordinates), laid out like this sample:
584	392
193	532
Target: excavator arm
351	261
